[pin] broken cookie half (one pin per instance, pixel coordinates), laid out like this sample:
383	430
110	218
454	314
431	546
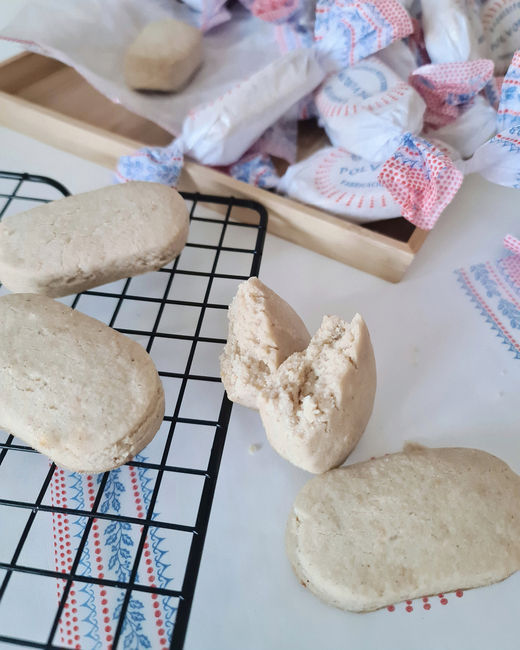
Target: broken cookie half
319	401
263	331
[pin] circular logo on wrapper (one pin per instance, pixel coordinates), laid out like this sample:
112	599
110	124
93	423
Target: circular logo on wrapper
341	183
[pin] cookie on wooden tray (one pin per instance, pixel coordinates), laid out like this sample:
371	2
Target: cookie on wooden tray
89	239
319	401
263	331
164	56
411	524
76	390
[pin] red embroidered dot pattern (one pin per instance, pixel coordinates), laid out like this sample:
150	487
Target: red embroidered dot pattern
410	606
69	624
448	88
422	179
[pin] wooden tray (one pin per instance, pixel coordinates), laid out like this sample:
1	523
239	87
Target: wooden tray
51	102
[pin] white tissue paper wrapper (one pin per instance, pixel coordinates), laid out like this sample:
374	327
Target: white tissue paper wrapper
501	23
336	181
399	58
470	130
219	132
452	30
233	51
367	108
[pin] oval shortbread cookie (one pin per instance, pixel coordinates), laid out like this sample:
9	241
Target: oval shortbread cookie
73	388
263	331
86	240
165	54
319	401
411	524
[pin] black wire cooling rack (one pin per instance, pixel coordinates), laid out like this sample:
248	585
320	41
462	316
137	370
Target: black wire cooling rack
215	249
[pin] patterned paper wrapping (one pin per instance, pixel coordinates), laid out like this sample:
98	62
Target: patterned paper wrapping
366	108
348	31
475	126
501	25
498	160
342	183
422	179
494	289
109	554
449	88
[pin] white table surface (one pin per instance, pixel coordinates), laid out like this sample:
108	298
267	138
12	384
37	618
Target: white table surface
443	379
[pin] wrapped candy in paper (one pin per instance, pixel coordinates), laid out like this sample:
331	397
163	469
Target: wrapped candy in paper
417	182
498	160
501	24
347	31
470	130
422	177
452	30
341	183
449	88
220	132
366	108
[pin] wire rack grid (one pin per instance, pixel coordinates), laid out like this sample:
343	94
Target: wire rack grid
90	560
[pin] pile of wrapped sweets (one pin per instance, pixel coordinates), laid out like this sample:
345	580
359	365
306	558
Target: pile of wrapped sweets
411	94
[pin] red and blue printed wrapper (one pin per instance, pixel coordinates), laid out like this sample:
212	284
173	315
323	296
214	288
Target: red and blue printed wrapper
293	36
422	178
475	126
91	611
366	108
339	182
512	244
277	11
347	31
255	169
509	105
417	45
501	24
153	164
449	88
498	160
452	30
493	90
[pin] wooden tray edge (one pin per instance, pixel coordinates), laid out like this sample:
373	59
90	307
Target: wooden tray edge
326	234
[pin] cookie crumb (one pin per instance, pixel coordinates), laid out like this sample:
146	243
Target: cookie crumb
254	448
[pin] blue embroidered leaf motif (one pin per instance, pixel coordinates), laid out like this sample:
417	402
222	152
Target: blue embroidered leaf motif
481	274
110	529
116	533
134	638
510	311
